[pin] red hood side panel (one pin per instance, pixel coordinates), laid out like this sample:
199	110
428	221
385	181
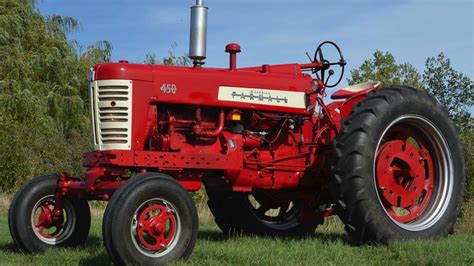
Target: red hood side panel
201	86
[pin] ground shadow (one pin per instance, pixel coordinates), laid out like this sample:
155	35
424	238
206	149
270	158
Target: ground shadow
219	236
93	240
10	247
331	237
212	235
98	259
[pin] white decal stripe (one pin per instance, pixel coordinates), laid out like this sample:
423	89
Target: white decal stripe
290	99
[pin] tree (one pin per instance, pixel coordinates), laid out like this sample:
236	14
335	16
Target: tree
409	76
383	67
44	116
170	59
452	89
99	52
151	59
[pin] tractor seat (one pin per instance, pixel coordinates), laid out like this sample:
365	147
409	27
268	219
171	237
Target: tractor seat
350	91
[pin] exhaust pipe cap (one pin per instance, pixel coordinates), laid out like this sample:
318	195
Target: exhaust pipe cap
198	33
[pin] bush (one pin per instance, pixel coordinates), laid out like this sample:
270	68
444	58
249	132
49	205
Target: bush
467	138
27	151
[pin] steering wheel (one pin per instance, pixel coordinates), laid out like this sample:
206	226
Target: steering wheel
321	73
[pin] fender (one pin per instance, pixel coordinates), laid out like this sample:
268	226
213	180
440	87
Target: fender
354	94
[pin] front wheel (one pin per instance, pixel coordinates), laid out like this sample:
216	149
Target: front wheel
31	222
399	171
151	220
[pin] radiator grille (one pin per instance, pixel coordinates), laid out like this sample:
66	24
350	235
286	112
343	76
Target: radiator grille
111	102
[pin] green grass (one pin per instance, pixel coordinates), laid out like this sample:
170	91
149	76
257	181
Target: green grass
328	246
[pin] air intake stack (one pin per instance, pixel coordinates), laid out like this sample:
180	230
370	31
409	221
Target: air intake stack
198	36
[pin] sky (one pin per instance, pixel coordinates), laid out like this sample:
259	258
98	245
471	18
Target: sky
277	31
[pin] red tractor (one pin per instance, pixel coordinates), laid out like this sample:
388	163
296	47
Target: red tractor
274	158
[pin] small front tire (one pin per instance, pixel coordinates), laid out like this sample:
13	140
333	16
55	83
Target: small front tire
29	217
150	220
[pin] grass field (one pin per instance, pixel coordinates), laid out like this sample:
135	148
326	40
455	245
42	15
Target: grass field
328	246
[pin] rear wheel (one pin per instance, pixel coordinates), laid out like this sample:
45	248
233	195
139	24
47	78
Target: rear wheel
261	212
31	221
399	171
150	220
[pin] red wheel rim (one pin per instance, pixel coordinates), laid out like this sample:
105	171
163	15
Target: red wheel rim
49	228
413	152
45	225
413	172
404	171
155	227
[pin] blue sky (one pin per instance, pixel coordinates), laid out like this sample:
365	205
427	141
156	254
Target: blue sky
277	31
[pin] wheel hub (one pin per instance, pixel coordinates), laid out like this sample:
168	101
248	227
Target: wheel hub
400	173
156	227
46	221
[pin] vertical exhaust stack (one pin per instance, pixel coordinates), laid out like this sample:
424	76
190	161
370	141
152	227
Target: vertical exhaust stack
198	36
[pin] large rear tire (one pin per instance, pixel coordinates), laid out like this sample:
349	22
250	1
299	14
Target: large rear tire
150	220
399	171
30	217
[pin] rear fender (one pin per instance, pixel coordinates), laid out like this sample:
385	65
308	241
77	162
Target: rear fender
346	107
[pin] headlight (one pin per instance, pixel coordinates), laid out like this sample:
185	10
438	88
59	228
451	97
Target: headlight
316	85
91	75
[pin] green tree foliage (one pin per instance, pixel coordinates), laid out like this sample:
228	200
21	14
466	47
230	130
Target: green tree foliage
44	119
383	67
467	138
453	89
171	59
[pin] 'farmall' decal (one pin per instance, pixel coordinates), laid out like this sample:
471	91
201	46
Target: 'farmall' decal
262	96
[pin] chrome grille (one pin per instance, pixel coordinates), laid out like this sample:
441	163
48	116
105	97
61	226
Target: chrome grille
112	114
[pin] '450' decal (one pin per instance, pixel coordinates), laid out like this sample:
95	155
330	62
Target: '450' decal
168	88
